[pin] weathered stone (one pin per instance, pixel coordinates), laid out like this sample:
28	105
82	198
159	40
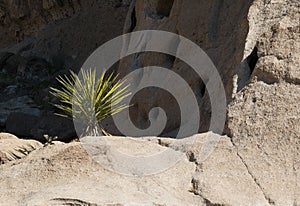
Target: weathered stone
255	47
263	118
264	125
4	135
12	148
209	25
22	19
57	174
3	57
35	69
12	63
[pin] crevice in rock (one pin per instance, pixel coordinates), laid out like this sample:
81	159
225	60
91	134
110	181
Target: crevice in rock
133	20
72	202
202	88
252	60
195	190
209	203
191	157
160	9
163	144
246	69
270	201
164	7
172	60
292	81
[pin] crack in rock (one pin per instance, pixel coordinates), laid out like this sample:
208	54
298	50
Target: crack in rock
195	190
71	202
270	201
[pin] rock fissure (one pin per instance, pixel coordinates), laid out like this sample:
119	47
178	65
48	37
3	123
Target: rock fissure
71	202
195	190
270	201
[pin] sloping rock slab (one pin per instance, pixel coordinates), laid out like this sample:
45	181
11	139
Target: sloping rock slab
71	174
12	148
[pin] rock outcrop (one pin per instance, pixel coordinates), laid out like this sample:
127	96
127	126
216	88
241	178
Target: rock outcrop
66	174
21	19
12	148
245	40
255	47
263	118
219	27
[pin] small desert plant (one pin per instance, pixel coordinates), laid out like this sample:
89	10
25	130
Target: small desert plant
89	101
49	140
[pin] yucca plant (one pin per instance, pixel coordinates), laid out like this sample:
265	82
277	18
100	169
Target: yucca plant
91	100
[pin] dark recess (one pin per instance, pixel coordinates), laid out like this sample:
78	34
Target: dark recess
252	59
133	20
164	7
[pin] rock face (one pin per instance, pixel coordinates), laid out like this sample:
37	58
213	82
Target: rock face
274	32
266	133
35	127
21	19
263	118
12	148
218	27
244	40
20	104
255	47
54	175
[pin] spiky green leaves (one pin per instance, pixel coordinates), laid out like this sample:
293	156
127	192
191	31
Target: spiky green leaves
90	100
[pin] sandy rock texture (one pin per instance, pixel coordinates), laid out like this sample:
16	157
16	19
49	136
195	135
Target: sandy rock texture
255	47
264	118
264	125
65	174
12	148
219	27
245	40
21	19
274	32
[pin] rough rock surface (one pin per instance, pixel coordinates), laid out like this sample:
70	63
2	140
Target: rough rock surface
244	39
12	148
264	118
64	33
255	47
21	19
66	174
274	32
266	133
218	27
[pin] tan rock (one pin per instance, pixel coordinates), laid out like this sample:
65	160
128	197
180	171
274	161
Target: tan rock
65	173
210	25
264	125
12	148
4	135
263	118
